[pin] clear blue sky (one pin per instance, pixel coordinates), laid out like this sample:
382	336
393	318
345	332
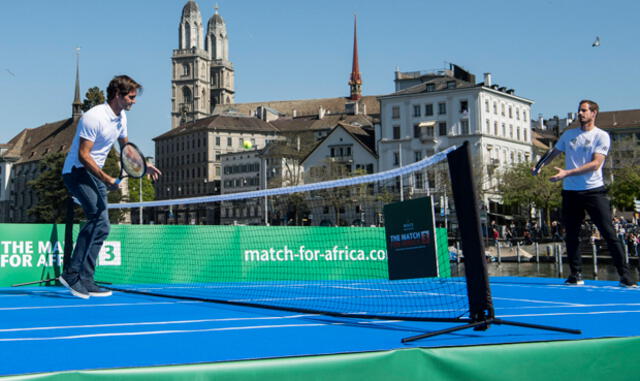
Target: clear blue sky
302	49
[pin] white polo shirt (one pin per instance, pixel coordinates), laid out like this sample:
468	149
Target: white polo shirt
579	146
101	126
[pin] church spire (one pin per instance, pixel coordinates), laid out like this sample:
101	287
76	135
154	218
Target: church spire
355	83
77	102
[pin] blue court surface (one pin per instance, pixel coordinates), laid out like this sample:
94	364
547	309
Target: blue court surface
45	329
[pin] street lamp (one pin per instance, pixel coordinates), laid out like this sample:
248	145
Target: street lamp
140	197
399	142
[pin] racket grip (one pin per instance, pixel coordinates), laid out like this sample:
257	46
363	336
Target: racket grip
118	180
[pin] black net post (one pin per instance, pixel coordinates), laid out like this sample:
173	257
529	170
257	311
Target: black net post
467	212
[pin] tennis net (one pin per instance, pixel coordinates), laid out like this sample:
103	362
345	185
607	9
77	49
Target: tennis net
327	256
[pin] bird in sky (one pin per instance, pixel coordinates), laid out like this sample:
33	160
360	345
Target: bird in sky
596	43
10	72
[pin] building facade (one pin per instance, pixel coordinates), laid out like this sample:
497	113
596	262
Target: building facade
190	158
431	111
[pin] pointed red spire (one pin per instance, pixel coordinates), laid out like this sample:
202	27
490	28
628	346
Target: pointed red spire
355	83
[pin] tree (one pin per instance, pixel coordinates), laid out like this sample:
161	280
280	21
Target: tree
148	191
519	187
51	192
93	97
625	187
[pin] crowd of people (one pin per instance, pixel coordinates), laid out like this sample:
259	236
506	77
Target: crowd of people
627	232
525	234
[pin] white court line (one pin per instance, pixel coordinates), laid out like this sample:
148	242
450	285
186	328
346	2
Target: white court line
93	305
146	323
572	306
571	313
536	301
165	332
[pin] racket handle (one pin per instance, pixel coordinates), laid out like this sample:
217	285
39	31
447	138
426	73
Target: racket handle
118	180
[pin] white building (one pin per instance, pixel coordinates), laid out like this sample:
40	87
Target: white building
346	150
430	112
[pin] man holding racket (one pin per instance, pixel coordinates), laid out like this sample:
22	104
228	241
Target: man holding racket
97	131
583	189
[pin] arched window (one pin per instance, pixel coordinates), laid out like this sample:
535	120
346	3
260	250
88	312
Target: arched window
187	35
186	95
186	69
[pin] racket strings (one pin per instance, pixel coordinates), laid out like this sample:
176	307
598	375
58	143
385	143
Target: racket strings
132	162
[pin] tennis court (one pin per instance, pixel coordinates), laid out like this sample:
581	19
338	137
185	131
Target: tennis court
45	329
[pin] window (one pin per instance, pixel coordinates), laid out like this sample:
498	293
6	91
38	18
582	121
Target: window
524	135
419	183
416	110
451	84
396	132
495	128
418	155
430	87
464	127
442	128
510	112
517	114
495	108
186	70
218	141
518	133
396	158
524	116
486	106
395	112
229	142
504	130
502	109
442	108
428	109
488	126
511	131
464	107
430	131
416	130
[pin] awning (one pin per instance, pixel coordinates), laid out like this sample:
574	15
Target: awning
430	123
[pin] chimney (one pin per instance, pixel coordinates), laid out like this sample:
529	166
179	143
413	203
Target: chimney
487	79
321	112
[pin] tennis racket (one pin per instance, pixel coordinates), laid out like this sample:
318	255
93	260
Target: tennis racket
132	162
540	163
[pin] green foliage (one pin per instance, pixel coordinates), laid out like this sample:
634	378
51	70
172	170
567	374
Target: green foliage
148	191
93	97
625	187
519	187
51	192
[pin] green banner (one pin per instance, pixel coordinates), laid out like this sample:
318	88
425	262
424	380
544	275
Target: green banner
187	253
30	252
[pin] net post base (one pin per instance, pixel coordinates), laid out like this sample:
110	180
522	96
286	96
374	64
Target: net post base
485	324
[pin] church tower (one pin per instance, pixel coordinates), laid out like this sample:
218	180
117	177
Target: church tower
220	68
355	81
190	96
76	106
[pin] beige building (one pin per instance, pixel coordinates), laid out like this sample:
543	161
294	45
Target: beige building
190	158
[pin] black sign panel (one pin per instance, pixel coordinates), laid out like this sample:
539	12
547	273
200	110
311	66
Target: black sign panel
411	240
